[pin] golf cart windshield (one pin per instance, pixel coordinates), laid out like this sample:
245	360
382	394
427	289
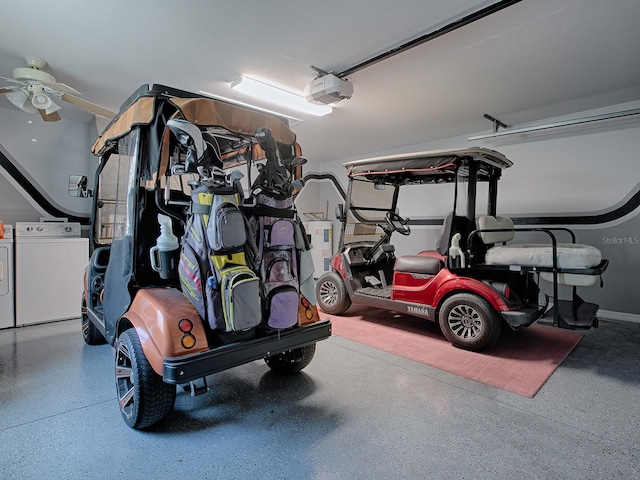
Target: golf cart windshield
370	202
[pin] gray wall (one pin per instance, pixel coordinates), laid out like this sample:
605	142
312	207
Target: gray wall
60	149
571	172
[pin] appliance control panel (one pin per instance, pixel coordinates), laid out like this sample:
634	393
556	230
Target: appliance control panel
47	229
7	232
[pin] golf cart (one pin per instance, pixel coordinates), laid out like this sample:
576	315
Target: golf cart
474	281
151	167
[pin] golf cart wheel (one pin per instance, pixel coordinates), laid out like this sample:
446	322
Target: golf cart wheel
90	332
292	361
331	294
143	397
469	322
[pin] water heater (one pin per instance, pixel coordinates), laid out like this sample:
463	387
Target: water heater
321	243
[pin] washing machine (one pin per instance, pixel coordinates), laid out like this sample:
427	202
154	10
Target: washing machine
7	318
50	260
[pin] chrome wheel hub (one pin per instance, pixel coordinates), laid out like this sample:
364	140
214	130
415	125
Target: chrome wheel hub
465	321
328	293
125	381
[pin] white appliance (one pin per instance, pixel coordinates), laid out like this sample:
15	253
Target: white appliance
50	262
320	233
7	318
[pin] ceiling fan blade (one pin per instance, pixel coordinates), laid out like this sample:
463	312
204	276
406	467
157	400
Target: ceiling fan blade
8	89
61	87
92	107
49	117
12	80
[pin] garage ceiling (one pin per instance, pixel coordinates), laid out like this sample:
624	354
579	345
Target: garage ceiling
530	61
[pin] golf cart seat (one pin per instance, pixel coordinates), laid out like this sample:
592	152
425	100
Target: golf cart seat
569	256
451	225
418	264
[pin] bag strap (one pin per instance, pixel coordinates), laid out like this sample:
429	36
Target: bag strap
267	211
253	255
261	236
199	209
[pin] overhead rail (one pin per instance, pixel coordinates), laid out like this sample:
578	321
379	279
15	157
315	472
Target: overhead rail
563	123
475	16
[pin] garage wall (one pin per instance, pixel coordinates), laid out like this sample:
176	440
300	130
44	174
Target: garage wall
59	150
571	173
577	173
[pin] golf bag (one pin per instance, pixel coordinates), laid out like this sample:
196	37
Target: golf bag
278	235
278	268
213	269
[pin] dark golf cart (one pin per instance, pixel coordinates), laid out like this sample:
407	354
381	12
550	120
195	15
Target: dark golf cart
473	282
160	339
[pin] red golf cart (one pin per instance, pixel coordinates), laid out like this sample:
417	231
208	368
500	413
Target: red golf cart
475	280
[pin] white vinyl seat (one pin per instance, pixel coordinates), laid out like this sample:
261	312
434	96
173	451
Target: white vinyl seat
569	255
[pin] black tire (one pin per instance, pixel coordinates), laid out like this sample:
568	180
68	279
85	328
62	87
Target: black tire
292	361
90	332
143	397
469	322
331	294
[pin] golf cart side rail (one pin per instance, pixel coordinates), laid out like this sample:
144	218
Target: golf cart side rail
192	367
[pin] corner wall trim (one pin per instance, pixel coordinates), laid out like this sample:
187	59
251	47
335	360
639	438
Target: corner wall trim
35	194
625	317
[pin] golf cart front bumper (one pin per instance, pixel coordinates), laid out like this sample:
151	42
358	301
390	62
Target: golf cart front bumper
186	368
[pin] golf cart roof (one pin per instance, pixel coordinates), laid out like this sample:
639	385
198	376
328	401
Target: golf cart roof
435	166
151	103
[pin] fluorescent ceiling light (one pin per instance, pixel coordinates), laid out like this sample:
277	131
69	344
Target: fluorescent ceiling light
277	95
293	120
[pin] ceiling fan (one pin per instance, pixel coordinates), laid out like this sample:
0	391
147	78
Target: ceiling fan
35	91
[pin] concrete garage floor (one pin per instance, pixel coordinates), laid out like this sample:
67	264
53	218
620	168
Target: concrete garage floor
354	412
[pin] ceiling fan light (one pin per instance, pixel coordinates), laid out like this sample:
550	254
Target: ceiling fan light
17	98
54	107
41	101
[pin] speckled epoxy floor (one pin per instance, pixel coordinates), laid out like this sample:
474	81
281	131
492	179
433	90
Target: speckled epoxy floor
354	412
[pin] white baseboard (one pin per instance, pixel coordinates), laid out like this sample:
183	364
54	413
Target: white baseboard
627	317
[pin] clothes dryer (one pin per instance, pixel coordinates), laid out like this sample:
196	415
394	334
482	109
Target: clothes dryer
7	311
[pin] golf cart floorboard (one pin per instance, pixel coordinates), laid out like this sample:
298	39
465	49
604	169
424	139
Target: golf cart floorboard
575	315
375	292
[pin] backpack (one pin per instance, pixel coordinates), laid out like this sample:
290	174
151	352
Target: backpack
226	228
213	269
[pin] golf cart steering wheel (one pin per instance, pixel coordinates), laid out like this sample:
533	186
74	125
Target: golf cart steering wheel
397	223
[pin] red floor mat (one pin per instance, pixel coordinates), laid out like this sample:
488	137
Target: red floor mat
521	362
